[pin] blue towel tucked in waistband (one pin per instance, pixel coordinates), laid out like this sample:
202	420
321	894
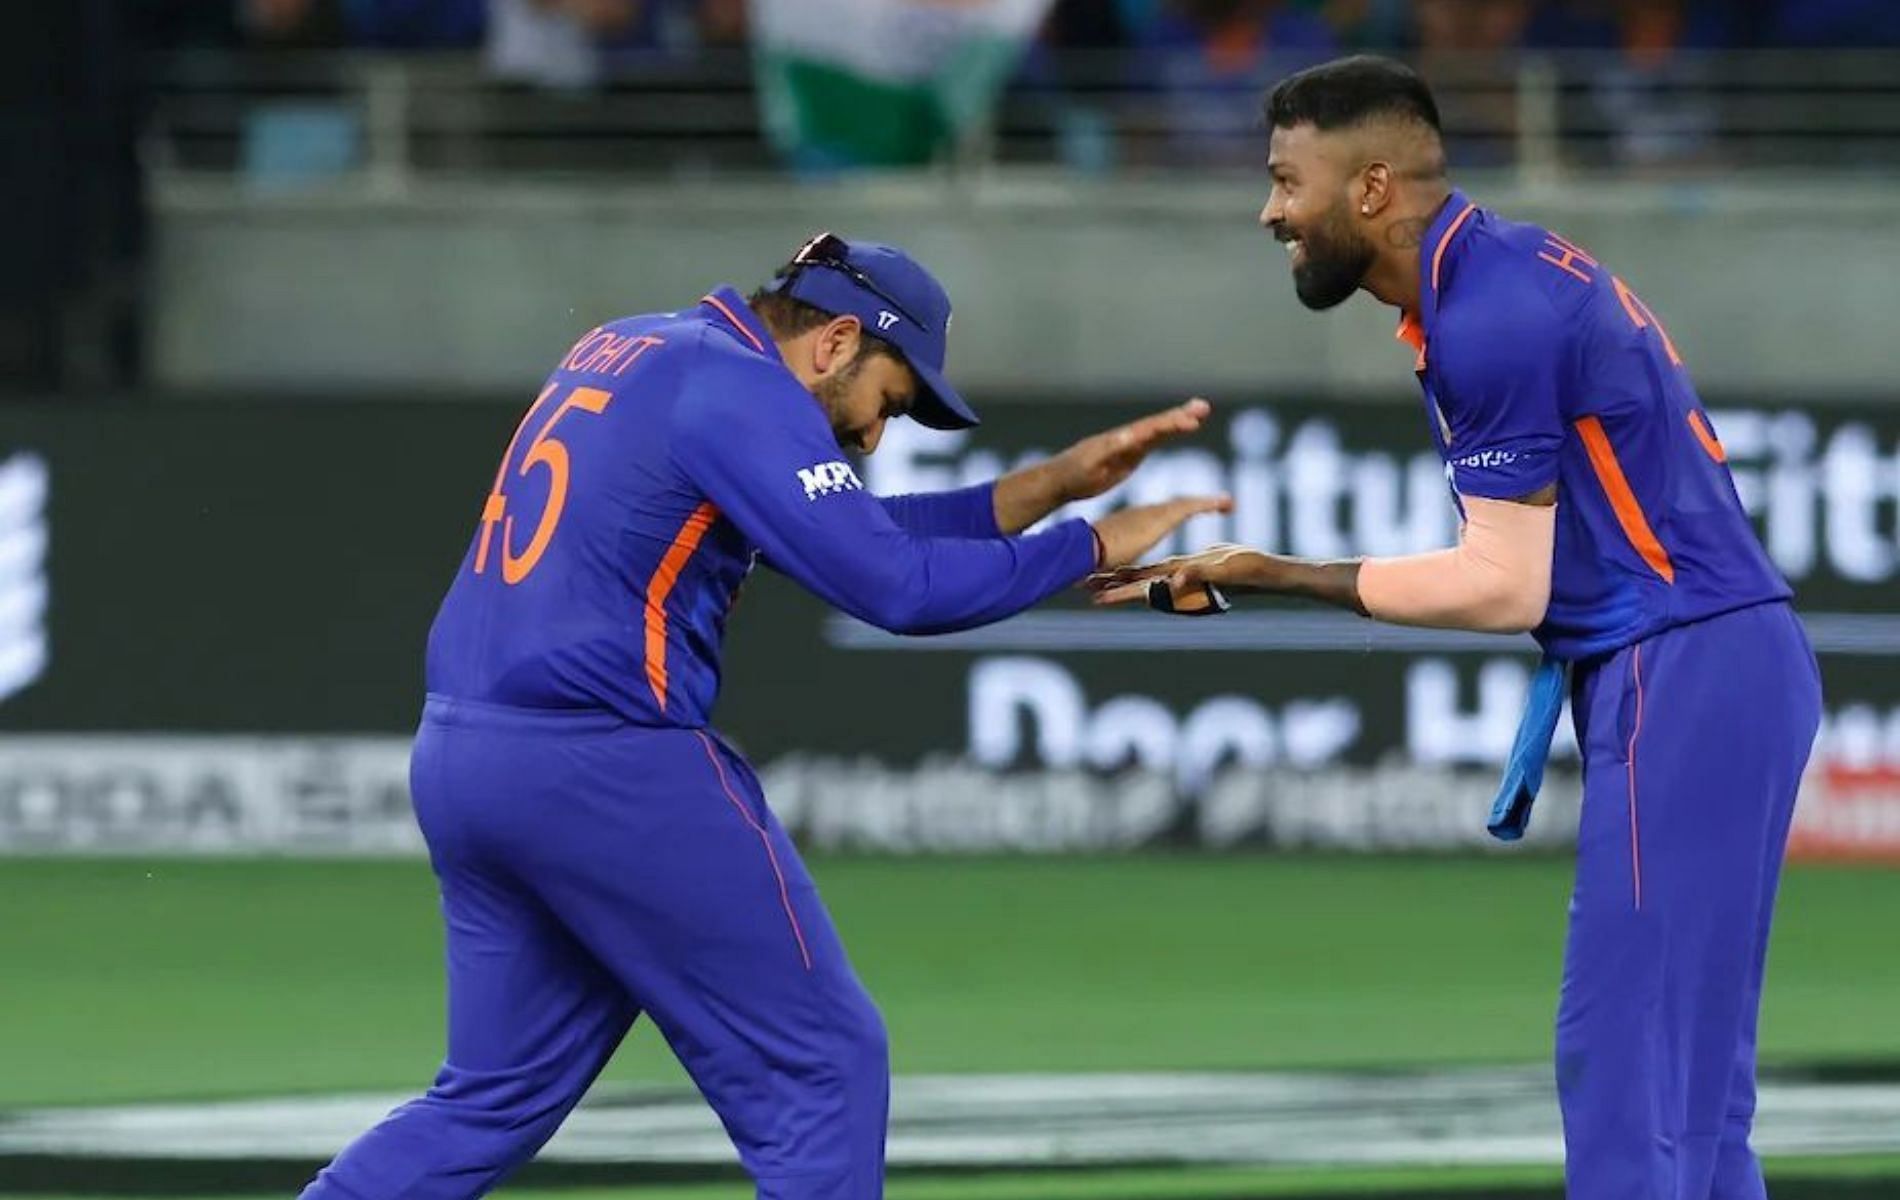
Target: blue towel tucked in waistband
1524	772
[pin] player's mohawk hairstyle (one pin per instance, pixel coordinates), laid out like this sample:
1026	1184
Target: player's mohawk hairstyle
1351	91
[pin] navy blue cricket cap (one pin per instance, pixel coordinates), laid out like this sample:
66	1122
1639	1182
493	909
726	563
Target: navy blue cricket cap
896	299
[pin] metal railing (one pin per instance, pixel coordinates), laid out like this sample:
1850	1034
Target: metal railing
381	125
385	122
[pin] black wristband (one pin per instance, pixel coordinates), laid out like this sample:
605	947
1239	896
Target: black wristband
1101	547
1210	601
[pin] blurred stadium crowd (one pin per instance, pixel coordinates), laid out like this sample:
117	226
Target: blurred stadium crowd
1225	32
1102	84
274	96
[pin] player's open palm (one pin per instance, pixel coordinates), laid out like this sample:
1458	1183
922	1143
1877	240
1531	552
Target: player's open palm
1129	533
1098	463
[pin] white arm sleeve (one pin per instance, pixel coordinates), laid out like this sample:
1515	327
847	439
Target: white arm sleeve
1496	580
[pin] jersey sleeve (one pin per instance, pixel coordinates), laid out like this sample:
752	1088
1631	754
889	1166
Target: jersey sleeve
1497	384
760	451
966	512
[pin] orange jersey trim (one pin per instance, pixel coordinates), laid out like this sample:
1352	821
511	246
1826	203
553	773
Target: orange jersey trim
1412	333
1710	445
1438	255
749	336
1629	756
1616	485
1411	329
661	586
771	855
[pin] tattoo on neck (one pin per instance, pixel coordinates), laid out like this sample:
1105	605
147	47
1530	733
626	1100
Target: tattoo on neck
1407	234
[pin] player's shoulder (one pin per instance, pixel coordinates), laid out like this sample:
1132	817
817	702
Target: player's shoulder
679	337
729	386
1503	276
699	351
1504	305
653	340
1523	274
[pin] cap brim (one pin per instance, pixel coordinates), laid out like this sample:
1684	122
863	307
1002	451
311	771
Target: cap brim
937	405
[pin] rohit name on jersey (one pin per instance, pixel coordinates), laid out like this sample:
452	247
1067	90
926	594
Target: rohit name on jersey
828	478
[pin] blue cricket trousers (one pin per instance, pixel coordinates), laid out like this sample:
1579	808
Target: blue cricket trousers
1694	744
592	871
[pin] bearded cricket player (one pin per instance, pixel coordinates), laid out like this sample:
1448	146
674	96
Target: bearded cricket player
1597	514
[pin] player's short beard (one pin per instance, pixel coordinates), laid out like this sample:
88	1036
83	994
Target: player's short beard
832	394
1335	261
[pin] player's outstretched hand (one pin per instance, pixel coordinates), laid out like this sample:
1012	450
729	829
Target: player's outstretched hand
1188	579
1096	464
1129	533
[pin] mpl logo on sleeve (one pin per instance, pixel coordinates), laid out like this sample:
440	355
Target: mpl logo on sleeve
829	478
23	587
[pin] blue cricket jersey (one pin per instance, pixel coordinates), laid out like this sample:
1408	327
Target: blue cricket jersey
1541	367
664	454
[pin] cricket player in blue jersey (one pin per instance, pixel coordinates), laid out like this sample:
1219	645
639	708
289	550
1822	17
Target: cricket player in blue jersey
1598	514
602	852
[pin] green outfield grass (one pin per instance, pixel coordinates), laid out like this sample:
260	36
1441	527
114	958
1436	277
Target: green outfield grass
1793	1179
130	980
1227	1184
141	980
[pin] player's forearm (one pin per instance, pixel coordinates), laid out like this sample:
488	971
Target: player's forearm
964	513
1335	583
940	585
1027	495
1440	590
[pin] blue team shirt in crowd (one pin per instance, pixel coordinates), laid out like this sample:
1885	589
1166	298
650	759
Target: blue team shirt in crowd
663	456
1539	366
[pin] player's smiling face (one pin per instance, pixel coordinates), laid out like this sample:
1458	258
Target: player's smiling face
869	391
1310	212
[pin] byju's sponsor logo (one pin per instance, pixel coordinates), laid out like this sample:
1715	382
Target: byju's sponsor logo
828	478
23	539
1488	460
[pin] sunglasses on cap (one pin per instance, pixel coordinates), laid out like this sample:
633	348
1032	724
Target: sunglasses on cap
830	251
